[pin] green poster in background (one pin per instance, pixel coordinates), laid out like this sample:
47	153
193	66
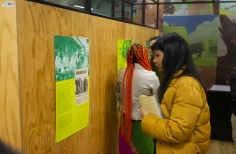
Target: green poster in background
72	84
122	48
149	50
147	44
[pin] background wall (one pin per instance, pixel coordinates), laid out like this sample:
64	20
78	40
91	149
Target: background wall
212	49
37	25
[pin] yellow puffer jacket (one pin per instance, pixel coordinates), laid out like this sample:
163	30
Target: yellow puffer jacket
185	128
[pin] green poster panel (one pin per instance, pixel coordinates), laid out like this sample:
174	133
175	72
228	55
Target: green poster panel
72	84
122	48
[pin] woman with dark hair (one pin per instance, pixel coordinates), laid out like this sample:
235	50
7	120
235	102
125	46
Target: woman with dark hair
135	80
186	126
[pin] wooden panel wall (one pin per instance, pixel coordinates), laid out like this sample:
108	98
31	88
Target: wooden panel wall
37	25
10	131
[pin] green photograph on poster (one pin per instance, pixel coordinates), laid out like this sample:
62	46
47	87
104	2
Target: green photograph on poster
70	53
72	84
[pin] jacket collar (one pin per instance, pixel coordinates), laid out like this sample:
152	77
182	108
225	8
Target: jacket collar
138	66
175	78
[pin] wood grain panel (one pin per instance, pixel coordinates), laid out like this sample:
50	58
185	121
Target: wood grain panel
10	130
103	68
139	34
36	46
103	102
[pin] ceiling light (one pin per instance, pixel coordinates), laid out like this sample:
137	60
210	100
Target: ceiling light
82	7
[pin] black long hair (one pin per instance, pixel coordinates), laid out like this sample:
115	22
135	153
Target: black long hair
177	56
154	38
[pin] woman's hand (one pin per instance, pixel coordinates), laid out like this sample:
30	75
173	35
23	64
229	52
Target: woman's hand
143	112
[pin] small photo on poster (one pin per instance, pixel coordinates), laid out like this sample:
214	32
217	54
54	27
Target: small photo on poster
81	86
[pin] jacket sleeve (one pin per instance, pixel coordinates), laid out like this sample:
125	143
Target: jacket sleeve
183	117
154	83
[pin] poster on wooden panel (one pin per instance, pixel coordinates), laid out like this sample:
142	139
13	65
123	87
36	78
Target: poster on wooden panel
72	84
122	47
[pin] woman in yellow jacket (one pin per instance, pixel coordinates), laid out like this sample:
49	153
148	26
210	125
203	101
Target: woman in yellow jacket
185	128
